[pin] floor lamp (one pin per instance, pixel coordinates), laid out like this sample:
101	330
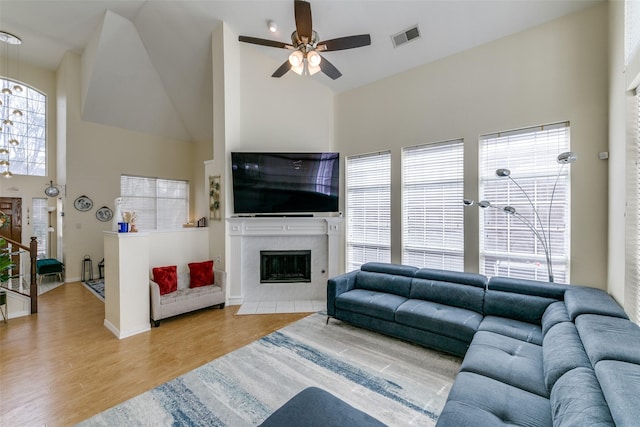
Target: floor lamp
535	225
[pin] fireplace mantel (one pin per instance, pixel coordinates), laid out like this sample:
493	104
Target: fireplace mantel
247	235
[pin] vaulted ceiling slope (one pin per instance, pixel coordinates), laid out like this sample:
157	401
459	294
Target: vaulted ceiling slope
148	63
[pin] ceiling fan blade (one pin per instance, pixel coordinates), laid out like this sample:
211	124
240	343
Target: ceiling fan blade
343	43
265	42
329	69
304	26
282	70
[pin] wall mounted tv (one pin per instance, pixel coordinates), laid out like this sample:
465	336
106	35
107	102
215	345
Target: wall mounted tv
280	183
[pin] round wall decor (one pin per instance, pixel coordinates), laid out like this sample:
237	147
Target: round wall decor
104	214
83	203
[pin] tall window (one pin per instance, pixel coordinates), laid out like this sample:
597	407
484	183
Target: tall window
632	29
508	246
160	204
632	244
23	136
368	206
40	224
432	193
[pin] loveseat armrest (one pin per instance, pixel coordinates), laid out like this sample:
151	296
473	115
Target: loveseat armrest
220	279
154	294
339	285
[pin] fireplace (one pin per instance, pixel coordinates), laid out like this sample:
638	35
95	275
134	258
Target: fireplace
285	266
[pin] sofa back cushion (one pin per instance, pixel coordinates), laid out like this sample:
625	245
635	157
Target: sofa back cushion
609	338
449	293
577	400
620	382
554	314
388	278
562	351
520	299
583	300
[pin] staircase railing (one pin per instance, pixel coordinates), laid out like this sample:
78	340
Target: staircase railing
33	279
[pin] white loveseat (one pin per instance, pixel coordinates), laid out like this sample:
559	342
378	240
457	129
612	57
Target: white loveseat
186	299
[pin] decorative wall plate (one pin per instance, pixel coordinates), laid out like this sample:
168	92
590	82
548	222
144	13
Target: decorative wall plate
83	203
104	214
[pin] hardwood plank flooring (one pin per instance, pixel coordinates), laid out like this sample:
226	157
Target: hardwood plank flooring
62	365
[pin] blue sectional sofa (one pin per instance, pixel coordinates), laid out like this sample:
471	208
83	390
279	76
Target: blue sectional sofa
535	353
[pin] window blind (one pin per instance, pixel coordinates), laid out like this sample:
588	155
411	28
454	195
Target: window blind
632	29
508	247
160	204
40	225
632	218
368	209
433	217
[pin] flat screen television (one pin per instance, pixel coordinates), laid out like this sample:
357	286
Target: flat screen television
280	183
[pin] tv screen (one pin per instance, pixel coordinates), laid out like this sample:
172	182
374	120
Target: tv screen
268	183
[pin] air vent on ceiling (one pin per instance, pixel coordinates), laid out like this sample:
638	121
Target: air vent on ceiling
405	36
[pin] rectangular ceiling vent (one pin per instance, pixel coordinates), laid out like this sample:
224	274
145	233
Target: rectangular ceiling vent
406	36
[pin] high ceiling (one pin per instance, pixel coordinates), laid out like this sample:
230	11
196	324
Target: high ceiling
176	35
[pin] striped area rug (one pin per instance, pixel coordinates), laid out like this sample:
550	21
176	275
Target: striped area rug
396	382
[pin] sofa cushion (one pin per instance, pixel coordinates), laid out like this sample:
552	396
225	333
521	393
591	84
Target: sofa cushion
444	292
528	287
620	383
609	338
476	400
371	303
523	331
507	360
577	401
166	278
383	282
562	351
526	308
444	319
583	300
388	268
554	314
201	273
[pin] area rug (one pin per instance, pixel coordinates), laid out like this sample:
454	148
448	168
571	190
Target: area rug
96	287
398	383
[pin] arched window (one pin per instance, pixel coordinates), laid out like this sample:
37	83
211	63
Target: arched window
23	112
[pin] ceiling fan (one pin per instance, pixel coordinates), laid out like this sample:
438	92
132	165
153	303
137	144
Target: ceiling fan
305	45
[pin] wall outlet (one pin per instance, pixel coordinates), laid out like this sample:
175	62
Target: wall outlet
218	259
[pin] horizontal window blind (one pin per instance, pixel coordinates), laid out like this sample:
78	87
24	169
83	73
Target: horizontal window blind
40	225
632	29
160	204
508	246
632	243
432	193
368	209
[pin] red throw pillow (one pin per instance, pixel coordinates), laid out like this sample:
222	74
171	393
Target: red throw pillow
166	278
201	274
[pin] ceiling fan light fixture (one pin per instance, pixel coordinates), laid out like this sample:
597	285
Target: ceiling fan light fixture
314	59
296	59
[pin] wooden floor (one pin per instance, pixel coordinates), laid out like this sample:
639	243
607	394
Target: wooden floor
62	365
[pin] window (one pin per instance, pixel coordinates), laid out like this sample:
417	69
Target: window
368	181
433	217
40	224
632	244
24	122
632	29
160	204
508	246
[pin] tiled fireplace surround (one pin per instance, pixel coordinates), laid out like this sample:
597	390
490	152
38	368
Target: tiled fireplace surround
250	235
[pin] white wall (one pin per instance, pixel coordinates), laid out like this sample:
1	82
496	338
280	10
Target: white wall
96	156
548	74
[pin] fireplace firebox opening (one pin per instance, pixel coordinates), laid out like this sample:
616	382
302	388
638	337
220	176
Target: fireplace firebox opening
285	266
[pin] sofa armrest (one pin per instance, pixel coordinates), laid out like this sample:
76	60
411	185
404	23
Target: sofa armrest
154	293
339	285
220	279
